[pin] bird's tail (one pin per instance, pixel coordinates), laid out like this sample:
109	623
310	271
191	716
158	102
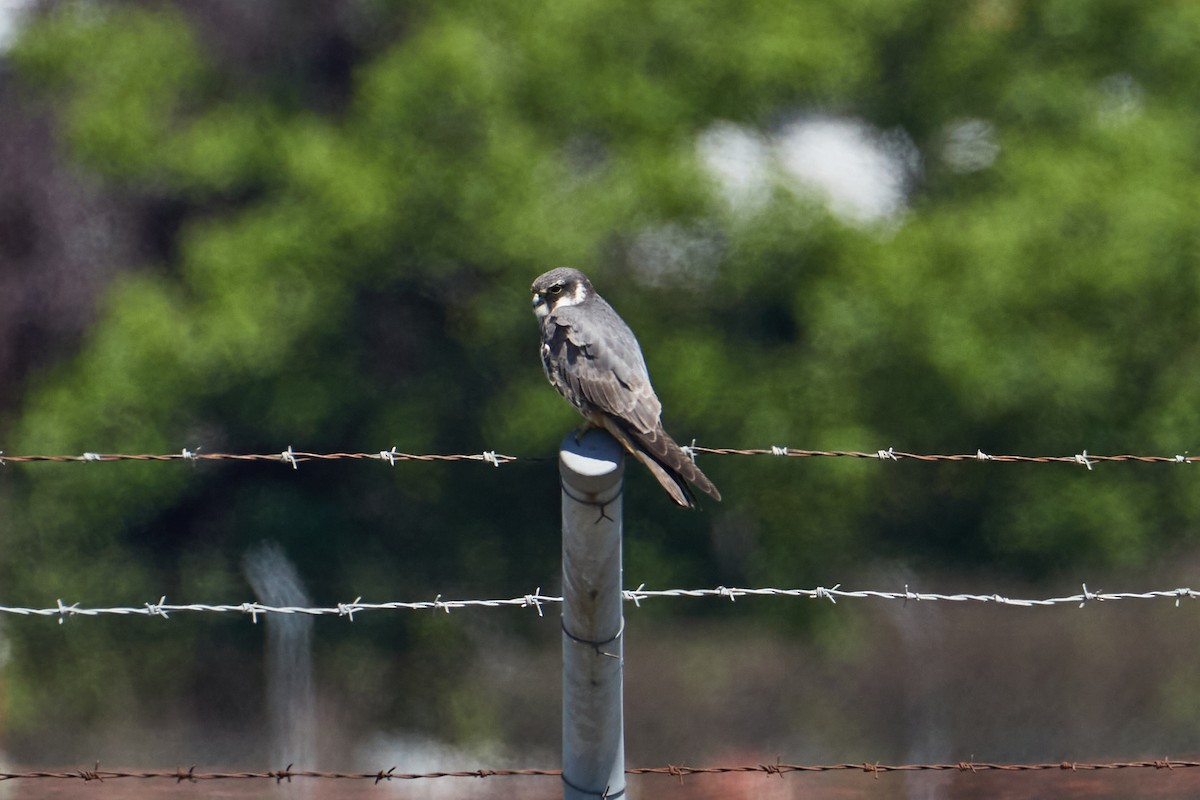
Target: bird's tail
665	459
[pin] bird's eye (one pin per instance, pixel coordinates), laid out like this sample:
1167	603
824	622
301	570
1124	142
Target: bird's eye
556	289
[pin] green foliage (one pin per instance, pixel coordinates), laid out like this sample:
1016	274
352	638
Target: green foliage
128	75
358	280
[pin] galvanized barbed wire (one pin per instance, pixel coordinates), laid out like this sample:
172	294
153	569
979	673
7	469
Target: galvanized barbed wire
536	600
293	458
678	771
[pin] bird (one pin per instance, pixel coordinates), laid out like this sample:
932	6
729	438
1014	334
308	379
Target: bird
593	359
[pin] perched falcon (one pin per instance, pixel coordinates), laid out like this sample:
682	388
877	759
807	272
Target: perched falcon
593	359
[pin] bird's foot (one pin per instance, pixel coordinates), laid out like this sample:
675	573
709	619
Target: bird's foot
583	429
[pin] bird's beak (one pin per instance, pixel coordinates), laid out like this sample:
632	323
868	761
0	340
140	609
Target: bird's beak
539	304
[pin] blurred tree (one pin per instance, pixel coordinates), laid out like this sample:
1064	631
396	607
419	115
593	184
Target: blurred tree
358	200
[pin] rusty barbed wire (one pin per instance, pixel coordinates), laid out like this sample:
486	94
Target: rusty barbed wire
536	600
1083	459
294	458
678	771
290	457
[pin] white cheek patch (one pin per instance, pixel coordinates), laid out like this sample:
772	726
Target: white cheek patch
578	295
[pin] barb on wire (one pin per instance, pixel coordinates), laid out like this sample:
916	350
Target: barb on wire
293	458
535	600
191	775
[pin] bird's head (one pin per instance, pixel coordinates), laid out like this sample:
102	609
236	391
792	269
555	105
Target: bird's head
560	287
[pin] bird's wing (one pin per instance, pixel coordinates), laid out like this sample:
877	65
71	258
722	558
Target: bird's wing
607	369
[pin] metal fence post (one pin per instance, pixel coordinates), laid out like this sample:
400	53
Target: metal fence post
592	618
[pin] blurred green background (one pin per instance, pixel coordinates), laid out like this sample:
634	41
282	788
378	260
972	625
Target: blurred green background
938	226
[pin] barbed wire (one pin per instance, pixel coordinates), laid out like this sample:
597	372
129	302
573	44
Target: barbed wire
536	600
290	456
294	458
678	771
1083	459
